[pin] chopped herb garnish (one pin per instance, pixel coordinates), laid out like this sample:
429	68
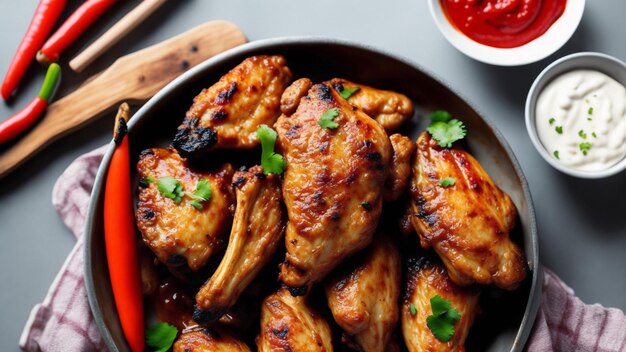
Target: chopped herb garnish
447	182
271	162
444	129
584	147
556	155
161	337
441	322
347	92
202	194
594	135
149	179
590	111
582	134
171	188
551	121
412	309
559	129
326	120
589	119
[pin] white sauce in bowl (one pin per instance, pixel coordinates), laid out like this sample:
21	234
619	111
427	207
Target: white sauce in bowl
581	120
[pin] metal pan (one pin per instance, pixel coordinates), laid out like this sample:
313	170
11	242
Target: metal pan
507	318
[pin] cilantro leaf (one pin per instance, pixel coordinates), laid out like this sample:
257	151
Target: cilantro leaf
202	193
559	129
441	322
412	309
440	116
444	129
326	120
441	328
582	134
347	92
439	305
551	121
556	155
161	336
447	182
270	161
171	188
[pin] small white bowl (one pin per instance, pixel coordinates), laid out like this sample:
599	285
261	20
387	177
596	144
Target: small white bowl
606	64
549	42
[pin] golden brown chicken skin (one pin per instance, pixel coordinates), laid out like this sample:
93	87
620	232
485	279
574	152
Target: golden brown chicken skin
364	298
389	108
400	171
332	184
257	229
204	340
288	324
180	234
468	223
425	280
227	114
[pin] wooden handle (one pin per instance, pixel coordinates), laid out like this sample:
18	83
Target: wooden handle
115	33
134	77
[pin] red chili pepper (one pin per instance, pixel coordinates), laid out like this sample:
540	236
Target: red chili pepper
72	28
23	119
120	238
46	15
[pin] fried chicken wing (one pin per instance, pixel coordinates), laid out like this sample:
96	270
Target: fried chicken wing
332	184
425	280
389	108
204	340
468	223
258	227
289	324
400	172
227	114
364	298
180	234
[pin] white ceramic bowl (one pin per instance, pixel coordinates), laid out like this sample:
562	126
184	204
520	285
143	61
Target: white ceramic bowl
553	39
606	64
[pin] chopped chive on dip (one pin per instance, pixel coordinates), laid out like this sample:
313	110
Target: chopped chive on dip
551	121
559	129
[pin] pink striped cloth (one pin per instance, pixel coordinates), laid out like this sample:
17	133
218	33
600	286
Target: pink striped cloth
63	322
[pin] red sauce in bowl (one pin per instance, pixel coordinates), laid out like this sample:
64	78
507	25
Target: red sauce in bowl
503	23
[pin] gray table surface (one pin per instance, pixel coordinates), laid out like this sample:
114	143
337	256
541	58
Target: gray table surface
582	224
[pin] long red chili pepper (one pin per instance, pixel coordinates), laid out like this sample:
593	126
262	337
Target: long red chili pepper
23	119
72	28
46	15
120	239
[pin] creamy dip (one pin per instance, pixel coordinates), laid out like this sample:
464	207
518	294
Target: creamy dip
581	120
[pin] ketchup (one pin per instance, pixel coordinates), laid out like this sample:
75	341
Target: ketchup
503	23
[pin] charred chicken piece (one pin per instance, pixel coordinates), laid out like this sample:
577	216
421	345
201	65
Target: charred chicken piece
427	279
180	234
293	94
332	184
227	114
389	108
400	172
257	229
289	324
204	340
364	299
467	223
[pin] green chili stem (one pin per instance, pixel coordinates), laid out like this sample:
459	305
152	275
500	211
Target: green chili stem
50	82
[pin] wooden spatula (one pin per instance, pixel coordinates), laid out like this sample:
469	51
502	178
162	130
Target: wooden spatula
134	77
